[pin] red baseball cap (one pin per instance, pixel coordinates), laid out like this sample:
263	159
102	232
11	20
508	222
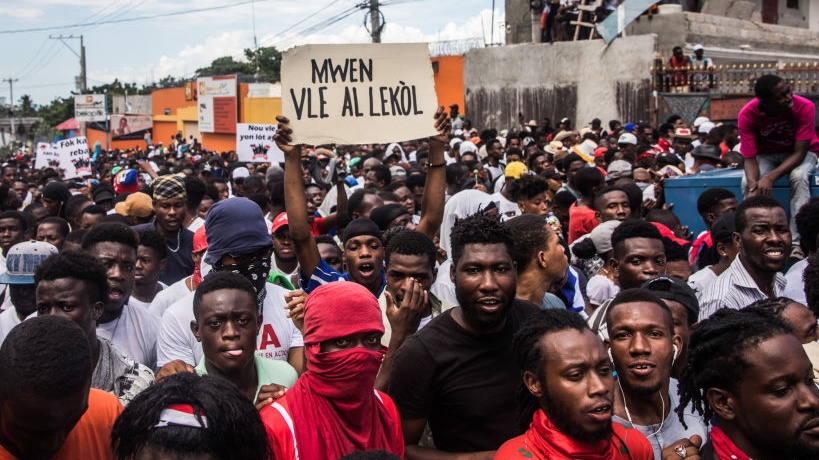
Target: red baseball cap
279	222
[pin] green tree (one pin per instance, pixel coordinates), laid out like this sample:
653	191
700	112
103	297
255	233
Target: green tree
26	106
224	65
269	60
54	113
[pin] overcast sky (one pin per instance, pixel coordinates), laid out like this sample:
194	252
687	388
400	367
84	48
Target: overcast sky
144	50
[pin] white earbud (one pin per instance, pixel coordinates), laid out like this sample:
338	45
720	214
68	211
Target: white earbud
676	352
610	357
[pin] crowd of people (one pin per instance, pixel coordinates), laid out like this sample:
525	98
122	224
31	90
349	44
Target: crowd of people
514	294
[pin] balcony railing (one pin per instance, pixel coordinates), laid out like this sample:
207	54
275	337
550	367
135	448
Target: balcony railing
734	78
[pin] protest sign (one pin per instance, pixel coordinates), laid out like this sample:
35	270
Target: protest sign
74	158
254	143
90	107
358	94
46	156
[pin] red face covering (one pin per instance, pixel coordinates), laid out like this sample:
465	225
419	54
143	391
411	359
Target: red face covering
334	406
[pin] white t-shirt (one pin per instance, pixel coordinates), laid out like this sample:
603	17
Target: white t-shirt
277	336
134	301
133	333
8	319
600	289
795	289
701	279
166	297
290	275
6	305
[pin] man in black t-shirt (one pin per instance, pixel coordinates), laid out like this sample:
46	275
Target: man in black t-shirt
459	373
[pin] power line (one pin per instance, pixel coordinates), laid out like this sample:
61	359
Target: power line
138	18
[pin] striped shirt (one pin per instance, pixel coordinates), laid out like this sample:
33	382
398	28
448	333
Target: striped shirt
324	274
735	289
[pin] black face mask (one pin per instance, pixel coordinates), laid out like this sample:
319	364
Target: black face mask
255	271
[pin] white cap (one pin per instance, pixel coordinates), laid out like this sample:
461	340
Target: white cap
700	120
627	138
240	172
706	127
23	259
698	47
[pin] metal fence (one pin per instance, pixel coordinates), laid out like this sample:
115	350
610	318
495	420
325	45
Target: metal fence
734	78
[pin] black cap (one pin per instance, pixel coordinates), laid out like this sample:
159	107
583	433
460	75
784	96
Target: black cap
708	151
103	194
722	230
671	288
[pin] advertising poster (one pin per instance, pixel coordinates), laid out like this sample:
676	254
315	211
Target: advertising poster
217	104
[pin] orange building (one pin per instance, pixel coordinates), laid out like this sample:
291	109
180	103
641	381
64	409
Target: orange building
174	112
449	80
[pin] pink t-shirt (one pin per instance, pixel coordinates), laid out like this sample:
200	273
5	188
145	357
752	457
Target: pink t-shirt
760	134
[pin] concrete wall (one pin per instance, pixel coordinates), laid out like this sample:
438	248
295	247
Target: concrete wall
518	22
729	38
580	80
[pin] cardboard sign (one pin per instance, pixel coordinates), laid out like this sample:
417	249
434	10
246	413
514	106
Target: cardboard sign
254	144
46	156
74	158
90	107
358	94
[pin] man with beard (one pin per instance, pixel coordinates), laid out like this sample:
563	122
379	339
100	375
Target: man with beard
643	348
458	373
243	249
131	329
748	373
764	241
568	383
170	196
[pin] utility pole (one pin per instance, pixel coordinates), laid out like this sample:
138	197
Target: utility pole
83	77
11	106
375	21
82	81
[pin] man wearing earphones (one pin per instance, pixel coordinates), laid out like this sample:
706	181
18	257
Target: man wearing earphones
642	346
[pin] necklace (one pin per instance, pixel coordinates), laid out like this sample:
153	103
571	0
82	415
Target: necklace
178	242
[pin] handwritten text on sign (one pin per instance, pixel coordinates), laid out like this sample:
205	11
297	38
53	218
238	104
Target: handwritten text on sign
358	93
46	156
254	143
74	157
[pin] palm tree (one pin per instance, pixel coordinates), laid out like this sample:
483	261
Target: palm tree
26	107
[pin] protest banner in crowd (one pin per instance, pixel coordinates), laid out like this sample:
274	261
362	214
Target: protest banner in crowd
254	143
46	156
358	94
74	157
